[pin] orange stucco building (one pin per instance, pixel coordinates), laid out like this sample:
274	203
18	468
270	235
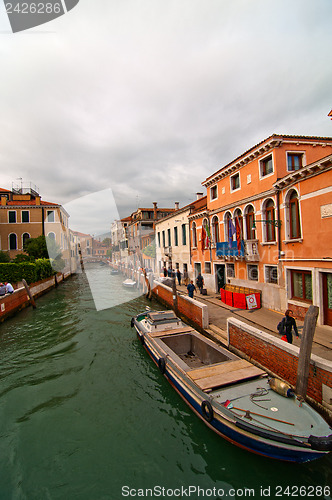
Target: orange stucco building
268	224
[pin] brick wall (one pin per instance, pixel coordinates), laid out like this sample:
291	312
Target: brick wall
190	309
18	300
278	356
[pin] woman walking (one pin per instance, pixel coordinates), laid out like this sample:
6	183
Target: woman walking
286	326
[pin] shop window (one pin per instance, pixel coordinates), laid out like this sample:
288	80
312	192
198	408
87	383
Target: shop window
301	285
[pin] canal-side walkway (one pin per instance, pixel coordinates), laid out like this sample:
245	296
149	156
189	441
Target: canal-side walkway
263	319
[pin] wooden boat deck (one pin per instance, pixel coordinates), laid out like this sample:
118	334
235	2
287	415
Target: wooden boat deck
163	333
229	372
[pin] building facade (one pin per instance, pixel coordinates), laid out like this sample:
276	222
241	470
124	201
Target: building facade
266	211
24	215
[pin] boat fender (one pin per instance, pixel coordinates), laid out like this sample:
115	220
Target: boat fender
162	365
281	387
132	322
207	410
321	443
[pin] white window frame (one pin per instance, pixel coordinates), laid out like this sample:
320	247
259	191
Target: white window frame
302	153
231	182
212	189
261	161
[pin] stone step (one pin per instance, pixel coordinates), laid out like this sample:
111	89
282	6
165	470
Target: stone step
217	333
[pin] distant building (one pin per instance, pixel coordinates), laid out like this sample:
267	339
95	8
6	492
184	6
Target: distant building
173	239
24	215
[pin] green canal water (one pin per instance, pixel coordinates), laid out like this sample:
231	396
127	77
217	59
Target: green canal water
85	414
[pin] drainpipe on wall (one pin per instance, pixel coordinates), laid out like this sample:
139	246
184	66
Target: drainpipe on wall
43	221
279	226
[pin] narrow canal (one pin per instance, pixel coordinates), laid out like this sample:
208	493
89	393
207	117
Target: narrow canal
85	414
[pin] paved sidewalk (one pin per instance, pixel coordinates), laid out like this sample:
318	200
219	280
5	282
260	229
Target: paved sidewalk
263	319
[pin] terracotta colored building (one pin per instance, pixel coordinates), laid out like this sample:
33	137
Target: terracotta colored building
24	215
268	224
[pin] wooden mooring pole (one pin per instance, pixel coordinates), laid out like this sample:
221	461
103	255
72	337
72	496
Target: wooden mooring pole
32	300
303	366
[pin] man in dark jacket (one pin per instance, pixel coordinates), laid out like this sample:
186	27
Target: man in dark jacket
200	282
287	324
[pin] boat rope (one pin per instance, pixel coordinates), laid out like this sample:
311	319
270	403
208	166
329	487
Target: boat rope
261	391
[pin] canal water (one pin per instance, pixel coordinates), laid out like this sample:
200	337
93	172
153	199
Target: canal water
85	414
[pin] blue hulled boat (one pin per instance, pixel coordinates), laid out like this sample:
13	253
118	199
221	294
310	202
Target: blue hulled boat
233	397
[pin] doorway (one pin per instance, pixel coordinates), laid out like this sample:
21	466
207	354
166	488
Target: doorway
327	298
220	276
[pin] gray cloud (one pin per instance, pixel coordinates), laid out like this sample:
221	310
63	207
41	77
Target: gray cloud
149	98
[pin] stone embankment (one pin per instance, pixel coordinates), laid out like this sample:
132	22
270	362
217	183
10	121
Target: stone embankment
10	304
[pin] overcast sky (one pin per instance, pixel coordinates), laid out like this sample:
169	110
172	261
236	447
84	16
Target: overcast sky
147	98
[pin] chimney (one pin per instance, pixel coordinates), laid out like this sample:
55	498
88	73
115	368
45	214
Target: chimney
199	195
37	200
176	205
155	210
3	201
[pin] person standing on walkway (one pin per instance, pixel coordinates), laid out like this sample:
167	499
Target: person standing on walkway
287	324
191	289
185	277
200	282
165	272
178	275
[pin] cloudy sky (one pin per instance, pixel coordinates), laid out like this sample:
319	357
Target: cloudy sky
146	98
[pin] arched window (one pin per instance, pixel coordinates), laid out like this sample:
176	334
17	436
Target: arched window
250	219
12	241
205	236
227	224
270	229
25	237
238	219
51	236
194	234
294	216
215	229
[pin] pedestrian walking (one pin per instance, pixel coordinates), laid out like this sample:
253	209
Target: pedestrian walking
191	289
165	272
286	325
178	275
185	277
200	282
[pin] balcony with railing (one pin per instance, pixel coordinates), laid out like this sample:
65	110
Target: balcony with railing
247	249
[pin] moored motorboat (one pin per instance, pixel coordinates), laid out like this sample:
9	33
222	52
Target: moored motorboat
234	398
128	283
